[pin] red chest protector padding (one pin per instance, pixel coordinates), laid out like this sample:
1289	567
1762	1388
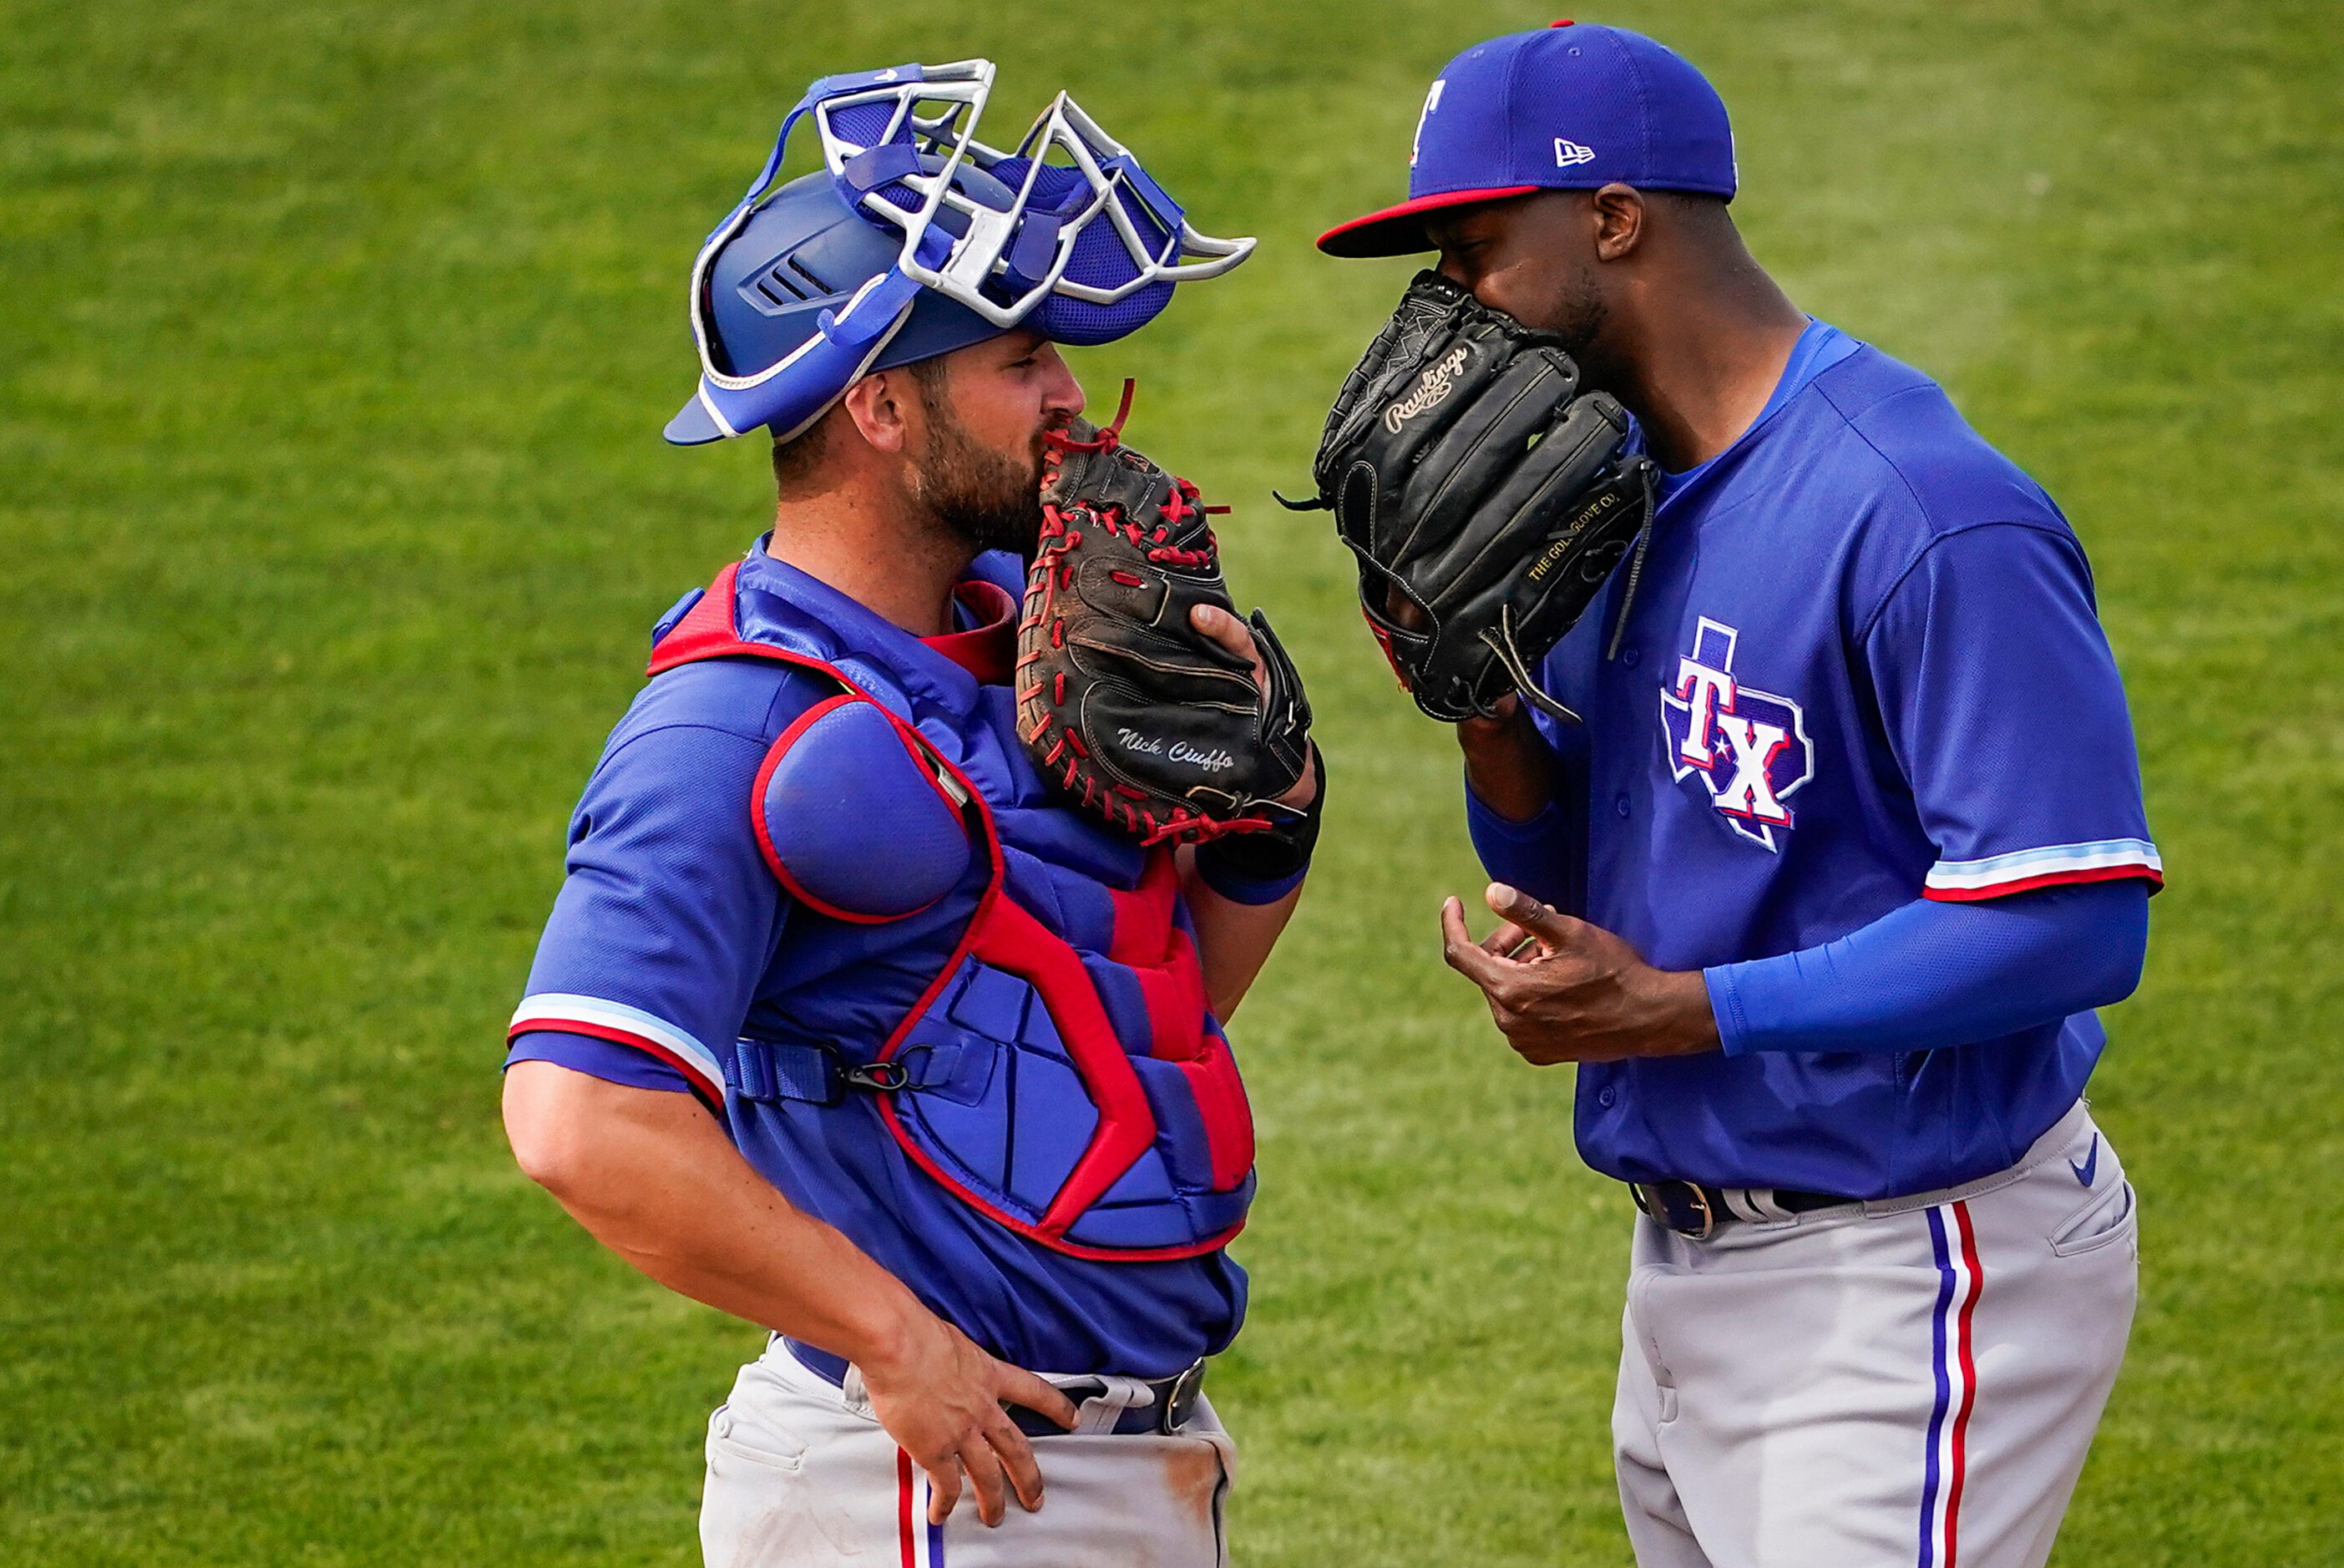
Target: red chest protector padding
1112	1145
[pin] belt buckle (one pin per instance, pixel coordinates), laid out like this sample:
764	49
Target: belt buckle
1180	1402
1653	1198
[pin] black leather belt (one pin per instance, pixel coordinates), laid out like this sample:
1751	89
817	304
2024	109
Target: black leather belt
1175	1402
1696	1209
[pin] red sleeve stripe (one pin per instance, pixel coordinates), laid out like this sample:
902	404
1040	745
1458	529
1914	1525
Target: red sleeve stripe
624	1025
2155	879
1997	875
701	1086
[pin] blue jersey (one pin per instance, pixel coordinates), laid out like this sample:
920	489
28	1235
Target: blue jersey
672	935
1863	667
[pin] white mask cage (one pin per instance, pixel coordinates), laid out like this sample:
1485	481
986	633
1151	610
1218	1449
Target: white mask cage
907	168
1082	250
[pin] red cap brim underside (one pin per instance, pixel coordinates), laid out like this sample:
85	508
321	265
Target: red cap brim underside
1399	230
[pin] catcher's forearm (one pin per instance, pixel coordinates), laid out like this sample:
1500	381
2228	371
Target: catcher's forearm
651	1177
1232	939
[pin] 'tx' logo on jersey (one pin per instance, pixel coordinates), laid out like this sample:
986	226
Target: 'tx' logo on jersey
1749	747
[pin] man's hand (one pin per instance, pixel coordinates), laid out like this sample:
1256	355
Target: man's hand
940	1397
1236	636
1561	990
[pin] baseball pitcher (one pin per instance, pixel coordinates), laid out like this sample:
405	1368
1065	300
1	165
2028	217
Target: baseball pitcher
1803	772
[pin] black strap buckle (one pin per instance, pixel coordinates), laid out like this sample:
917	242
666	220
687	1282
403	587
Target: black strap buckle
1172	1405
765	1072
880	1078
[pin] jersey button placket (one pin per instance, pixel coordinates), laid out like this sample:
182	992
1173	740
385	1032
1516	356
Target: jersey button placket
1619	804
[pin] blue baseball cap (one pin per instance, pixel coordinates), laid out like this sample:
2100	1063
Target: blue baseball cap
1570	106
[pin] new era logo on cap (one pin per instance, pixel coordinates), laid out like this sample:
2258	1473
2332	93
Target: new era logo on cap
1490	129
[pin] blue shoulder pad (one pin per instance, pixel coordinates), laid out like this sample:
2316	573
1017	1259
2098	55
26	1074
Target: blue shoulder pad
853	821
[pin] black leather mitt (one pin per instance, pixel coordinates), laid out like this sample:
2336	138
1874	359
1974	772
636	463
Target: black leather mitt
1486	497
1127	707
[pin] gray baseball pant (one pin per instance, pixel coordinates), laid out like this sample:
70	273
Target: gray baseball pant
801	1475
1914	1382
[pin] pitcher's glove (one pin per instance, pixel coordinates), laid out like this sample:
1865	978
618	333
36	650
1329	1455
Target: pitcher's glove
1486	497
1121	702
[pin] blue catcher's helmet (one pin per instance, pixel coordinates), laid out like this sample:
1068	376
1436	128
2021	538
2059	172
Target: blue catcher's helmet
802	255
915	240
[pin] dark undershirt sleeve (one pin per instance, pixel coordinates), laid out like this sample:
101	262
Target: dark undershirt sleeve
1930	975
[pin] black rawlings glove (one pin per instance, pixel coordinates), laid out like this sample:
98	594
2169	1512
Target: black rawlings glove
1127	707
1486	497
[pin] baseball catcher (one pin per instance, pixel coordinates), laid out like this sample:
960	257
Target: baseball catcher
1486	497
845	1021
1123	702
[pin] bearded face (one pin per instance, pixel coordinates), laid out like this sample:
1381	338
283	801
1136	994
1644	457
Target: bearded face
987	497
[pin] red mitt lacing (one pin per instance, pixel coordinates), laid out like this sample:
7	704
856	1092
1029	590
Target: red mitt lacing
1053	572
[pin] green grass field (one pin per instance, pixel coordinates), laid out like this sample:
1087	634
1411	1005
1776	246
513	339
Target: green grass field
335	340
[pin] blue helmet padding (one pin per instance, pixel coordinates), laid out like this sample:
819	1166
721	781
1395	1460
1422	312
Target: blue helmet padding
1098	260
802	253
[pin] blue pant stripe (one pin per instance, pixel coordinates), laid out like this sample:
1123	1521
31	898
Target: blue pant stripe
1939	1321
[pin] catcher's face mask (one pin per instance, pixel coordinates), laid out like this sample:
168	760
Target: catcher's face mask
1065	236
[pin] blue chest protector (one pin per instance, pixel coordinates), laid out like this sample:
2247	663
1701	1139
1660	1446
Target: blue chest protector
1013	992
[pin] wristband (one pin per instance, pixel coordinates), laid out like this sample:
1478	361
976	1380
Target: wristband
1264	867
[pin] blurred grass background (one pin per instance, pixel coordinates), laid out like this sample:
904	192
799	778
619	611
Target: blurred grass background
335	340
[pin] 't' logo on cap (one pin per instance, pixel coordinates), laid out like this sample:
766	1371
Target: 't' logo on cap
1431	102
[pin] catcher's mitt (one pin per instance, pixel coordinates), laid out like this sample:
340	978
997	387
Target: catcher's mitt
1123	703
1486	497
